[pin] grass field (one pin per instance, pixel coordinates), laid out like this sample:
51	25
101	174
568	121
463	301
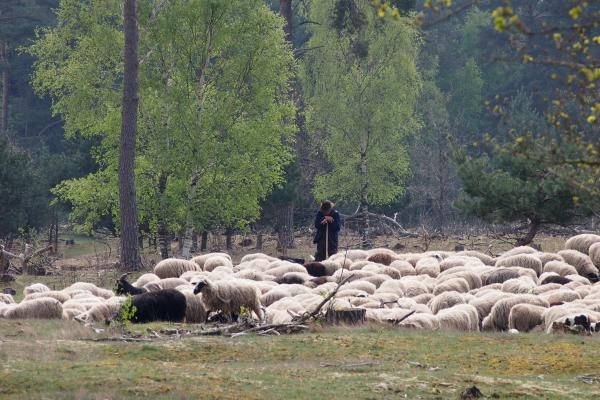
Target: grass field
56	360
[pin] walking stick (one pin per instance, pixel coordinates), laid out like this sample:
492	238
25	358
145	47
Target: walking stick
326	241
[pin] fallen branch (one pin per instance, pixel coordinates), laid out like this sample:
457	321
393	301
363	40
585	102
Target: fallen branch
397	321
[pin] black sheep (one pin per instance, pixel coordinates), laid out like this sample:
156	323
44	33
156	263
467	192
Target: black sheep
316	269
125	288
162	305
561	280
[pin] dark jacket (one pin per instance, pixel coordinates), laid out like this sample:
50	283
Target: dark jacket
334	227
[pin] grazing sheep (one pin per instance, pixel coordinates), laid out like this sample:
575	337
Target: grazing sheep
561	280
484	258
43	308
195	313
35	288
361	285
485	302
391	286
555	314
461	317
281	270
125	288
498	317
171	283
60	296
318	269
377	279
499	275
93	289
144	279
560	267
256	256
594	253
583	290
6	299
216	261
163	305
582	263
428	266
561	295
445	300
201	259
412	258
249	274
351	293
273	295
519	250
389	271
294	278
545	258
381	258
523	284
404	267
582	242
339	275
424	298
472	278
525	317
421	321
356	255
174	268
523	261
102	312
458	261
229	296
546	288
385	299
451	285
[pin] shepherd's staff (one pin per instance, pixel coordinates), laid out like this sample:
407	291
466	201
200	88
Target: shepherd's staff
326	240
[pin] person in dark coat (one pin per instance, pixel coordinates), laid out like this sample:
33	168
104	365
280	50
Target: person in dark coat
327	220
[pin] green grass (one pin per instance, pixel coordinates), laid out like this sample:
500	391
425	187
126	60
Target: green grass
49	359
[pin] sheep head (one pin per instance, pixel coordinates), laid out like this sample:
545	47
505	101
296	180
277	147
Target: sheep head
200	285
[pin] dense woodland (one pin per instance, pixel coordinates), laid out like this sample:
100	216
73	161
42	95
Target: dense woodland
438	114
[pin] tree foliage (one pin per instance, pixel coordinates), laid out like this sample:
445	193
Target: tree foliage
214	113
361	86
513	179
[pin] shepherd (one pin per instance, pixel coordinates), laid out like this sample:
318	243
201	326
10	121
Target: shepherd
328	224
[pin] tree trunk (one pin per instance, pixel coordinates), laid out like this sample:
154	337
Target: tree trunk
229	239
55	243
285	228
259	241
285	10
534	225
5	87
189	221
364	203
204	241
130	257
194	242
441	183
163	232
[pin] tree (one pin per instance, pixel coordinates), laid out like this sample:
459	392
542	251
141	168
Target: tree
22	203
130	258
214	121
512	180
361	87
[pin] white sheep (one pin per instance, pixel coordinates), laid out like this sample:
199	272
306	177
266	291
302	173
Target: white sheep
174	268
43	308
229	296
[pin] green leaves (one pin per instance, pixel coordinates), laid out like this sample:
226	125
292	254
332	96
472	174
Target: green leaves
214	109
361	102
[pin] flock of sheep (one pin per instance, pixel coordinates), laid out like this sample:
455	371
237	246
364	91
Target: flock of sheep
521	290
